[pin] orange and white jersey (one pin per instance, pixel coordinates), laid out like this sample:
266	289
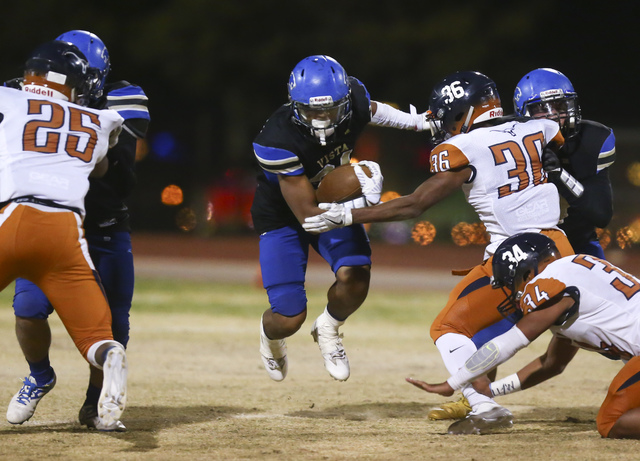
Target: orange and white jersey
607	319
508	187
48	147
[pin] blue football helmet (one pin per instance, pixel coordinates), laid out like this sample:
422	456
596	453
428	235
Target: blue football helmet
461	100
516	258
61	69
320	96
548	93
96	53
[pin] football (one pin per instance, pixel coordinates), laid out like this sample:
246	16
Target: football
340	185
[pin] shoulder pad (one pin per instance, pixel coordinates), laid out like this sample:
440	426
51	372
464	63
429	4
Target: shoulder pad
128	100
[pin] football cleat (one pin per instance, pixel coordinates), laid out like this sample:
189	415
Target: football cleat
23	404
325	333
451	410
274	356
487	418
88	416
113	397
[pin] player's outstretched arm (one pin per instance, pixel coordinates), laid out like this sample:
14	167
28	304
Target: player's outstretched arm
411	206
553	362
502	348
385	115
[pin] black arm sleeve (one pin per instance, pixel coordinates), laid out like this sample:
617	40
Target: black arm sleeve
121	175
596	203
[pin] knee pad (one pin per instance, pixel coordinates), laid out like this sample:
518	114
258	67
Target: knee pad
289	299
30	302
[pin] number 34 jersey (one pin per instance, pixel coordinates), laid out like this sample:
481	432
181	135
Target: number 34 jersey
607	318
508	187
48	147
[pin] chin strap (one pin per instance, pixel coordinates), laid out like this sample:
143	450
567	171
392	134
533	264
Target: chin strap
467	122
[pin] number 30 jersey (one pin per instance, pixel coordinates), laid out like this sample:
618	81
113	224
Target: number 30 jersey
508	187
607	317
48	147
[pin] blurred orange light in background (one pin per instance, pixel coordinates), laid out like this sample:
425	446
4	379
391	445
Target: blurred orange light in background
464	234
389	195
604	236
633	173
423	233
172	195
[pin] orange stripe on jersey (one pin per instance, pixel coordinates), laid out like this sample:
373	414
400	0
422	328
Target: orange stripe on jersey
558	139
447	157
538	293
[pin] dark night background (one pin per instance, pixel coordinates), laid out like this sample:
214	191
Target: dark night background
215	70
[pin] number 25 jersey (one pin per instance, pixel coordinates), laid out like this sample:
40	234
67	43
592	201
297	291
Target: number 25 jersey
508	187
48	147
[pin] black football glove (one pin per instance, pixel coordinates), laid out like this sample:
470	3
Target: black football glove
568	186
550	161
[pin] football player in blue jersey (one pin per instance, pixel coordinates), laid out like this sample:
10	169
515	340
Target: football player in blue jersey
107	231
303	140
587	154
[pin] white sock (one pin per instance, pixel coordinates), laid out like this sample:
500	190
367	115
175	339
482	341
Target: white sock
332	320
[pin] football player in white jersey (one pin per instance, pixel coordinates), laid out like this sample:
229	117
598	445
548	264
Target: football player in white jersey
107	231
51	143
586	302
496	161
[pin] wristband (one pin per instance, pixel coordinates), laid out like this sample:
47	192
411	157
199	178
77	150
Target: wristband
569	182
348	217
505	385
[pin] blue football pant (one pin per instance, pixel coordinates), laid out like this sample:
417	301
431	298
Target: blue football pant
284	254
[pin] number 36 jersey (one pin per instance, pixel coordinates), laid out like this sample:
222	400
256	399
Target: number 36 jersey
48	147
508	187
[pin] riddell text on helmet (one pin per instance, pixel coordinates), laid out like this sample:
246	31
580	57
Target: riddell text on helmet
39	90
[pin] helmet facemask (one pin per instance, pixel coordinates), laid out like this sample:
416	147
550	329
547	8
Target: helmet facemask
564	110
322	116
515	261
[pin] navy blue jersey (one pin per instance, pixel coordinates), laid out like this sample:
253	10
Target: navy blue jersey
106	211
283	147
587	156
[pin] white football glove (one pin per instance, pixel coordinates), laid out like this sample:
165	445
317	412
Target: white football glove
337	215
371	186
419	120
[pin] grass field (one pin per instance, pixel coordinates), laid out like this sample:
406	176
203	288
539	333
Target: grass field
197	389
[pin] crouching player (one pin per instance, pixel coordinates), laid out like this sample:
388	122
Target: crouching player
586	302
